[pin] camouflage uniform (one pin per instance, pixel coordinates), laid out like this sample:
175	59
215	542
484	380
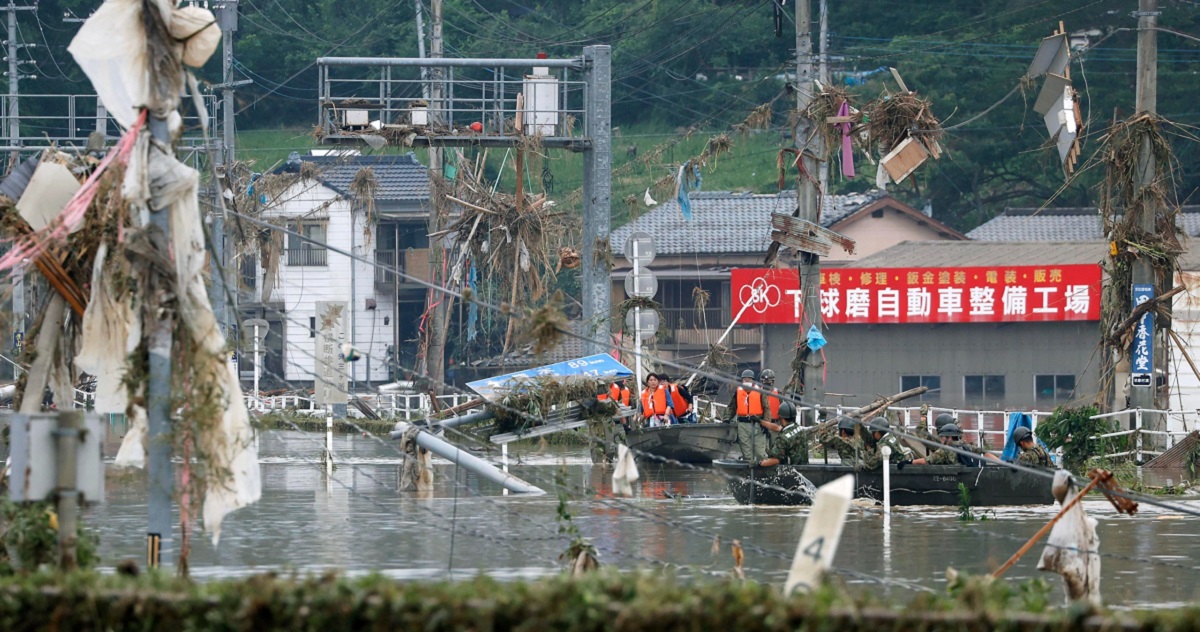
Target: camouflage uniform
873	455
1034	457
790	445
948	457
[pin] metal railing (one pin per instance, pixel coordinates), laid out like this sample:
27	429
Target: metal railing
407	406
1137	450
393	259
356	92
307	256
69	118
691	318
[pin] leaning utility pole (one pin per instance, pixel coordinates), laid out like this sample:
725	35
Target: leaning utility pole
808	201
1141	394
227	19
435	351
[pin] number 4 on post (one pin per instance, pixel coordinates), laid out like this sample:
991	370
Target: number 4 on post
822	531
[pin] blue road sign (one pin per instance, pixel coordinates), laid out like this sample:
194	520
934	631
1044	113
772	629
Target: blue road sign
600	366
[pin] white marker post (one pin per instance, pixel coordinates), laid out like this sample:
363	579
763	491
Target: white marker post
329	441
822	532
887	479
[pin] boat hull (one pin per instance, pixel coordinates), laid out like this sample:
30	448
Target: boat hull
988	486
687	443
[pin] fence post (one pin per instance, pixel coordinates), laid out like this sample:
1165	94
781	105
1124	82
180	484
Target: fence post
887	479
67	438
1137	421
979	426
907	418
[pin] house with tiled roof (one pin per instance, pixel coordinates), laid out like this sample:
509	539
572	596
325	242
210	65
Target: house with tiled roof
733	230
1061	224
288	280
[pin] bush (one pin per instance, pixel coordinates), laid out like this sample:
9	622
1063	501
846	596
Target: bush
1070	429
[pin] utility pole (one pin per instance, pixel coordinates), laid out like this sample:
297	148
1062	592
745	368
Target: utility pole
421	45
1142	396
808	203
227	19
435	352
597	193
13	50
823	76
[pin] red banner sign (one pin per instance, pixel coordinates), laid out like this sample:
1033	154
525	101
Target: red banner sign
923	295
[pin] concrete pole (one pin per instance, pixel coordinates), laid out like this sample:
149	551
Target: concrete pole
257	363
808	203
160	471
67	438
597	192
823	76
435	352
421	45
1143	270
220	284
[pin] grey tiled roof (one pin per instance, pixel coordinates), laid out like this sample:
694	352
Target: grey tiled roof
724	222
1059	224
401	177
942	254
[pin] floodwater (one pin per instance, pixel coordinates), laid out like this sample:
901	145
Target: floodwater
358	522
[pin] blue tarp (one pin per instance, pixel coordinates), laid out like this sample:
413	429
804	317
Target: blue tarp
1018	420
597	366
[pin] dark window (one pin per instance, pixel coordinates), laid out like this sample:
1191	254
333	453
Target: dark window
312	326
309	251
1054	389
983	388
932	382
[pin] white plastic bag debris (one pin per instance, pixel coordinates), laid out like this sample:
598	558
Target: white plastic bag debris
197	28
111	49
111	329
48	192
1073	550
231	447
625	474
133	447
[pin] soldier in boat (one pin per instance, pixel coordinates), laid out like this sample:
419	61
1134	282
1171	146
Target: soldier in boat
1032	454
747	408
951	435
789	441
881	435
848	446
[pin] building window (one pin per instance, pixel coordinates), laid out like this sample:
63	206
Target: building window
983	388
310	251
1054	389
932	382
312	326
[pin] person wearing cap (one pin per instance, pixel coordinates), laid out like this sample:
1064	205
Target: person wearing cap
883	437
747	408
845	442
950	434
1032	454
789	445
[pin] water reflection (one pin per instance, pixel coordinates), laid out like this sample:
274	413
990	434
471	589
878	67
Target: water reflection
358	522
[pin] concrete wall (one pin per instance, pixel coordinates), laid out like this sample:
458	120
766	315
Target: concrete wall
866	360
875	234
301	287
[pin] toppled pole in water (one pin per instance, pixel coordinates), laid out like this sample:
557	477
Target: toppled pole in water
449	451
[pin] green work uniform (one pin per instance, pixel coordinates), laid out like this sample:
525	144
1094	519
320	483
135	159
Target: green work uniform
848	450
949	457
790	445
1034	457
752	437
873	455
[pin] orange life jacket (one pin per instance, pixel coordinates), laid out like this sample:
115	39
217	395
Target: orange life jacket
654	404
619	394
773	405
678	403
749	403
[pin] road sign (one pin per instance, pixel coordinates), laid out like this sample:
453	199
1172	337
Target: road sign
641	284
639	249
598	366
643	322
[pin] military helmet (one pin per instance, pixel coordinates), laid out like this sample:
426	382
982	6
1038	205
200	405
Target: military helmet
846	423
787	410
879	424
1021	434
767	374
950	430
943	419
747	374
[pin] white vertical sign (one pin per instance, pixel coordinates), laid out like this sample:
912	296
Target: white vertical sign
330	383
822	531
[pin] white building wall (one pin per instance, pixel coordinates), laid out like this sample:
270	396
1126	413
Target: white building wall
300	287
1185	320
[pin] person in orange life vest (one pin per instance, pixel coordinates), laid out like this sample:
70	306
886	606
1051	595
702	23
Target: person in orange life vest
655	410
748	407
767	377
681	400
619	392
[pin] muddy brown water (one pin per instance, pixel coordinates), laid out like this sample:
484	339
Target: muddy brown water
358	522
